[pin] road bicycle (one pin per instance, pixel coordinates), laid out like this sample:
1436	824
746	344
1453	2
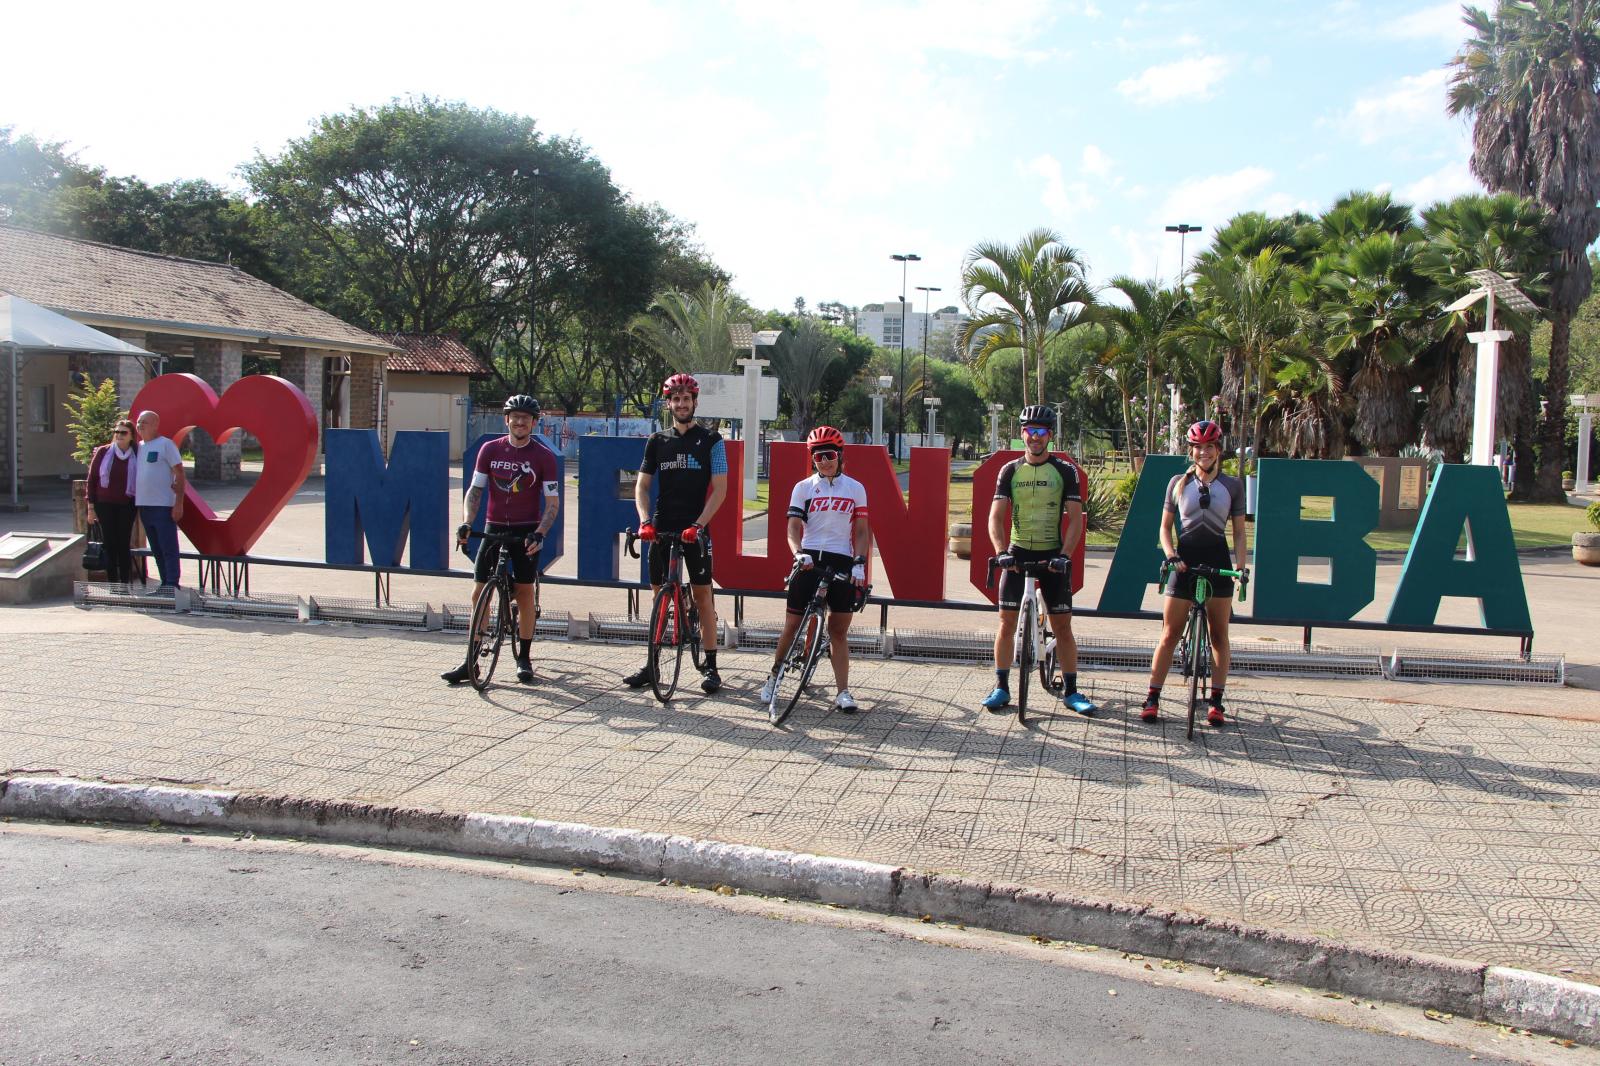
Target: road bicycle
810	644
495	615
1036	644
674	618
1194	652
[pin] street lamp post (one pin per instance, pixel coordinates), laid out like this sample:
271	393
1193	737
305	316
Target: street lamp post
884	382
927	295
932	404
1182	229
994	425
905	262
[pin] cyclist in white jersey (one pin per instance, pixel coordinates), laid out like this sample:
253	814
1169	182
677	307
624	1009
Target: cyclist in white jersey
827	528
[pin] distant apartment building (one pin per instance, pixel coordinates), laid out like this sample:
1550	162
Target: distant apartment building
883	323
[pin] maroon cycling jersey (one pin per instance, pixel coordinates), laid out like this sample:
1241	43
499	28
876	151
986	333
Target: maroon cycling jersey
517	480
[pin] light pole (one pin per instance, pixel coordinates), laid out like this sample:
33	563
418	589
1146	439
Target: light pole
1182	229
932	404
994	426
905	262
884	382
927	295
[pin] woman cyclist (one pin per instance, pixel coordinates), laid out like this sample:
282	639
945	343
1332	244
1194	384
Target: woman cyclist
1203	501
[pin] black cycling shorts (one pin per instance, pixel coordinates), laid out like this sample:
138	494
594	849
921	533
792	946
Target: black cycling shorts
1212	553
523	567
696	561
1057	588
841	594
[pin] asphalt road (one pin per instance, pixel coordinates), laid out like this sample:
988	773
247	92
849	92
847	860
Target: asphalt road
130	947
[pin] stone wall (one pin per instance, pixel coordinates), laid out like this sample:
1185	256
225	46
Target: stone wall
303	368
219	364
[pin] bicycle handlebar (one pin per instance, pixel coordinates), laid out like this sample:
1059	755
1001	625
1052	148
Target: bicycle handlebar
663	536
1202	570
1036	567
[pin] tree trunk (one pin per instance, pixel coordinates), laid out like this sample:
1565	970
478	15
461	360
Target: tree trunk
1553	435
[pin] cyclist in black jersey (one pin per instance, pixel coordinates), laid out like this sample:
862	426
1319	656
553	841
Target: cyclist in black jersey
692	465
1202	501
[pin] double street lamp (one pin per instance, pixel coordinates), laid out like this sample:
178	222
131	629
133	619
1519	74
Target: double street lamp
905	262
927	295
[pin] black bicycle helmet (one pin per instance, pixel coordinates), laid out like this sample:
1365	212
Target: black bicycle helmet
1038	415
522	402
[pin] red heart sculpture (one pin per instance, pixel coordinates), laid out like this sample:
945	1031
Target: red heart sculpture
270	409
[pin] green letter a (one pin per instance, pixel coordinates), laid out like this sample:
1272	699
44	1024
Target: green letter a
1137	562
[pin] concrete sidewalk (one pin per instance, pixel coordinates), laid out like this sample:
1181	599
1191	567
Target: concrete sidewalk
1335	812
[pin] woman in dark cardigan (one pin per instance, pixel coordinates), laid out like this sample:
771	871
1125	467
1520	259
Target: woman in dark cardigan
111	479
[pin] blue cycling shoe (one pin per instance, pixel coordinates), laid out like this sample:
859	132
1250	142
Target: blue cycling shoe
1078	702
996	700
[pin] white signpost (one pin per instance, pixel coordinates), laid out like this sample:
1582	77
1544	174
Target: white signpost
1586	404
1487	375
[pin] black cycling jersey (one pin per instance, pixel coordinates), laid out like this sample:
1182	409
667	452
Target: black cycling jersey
682	464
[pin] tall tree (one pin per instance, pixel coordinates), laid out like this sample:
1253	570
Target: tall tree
1151	328
689	330
1530	78
1022	295
801	359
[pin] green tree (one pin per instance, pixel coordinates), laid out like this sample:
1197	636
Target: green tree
688	331
1020	296
1150	328
1529	77
94	413
801	359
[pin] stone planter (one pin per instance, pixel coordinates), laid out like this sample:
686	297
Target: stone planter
1586	548
1568	484
961	540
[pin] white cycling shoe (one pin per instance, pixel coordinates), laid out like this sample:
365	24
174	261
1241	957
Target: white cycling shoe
845	702
768	688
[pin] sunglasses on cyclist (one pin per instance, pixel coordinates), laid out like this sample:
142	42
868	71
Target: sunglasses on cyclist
1205	496
1035	431
819	455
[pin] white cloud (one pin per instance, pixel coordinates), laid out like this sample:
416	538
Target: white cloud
1062	198
1210	201
1187	78
1095	163
1399	107
1441	22
1449	181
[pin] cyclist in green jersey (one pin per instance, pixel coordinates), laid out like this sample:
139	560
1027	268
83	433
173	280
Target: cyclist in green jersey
1032	495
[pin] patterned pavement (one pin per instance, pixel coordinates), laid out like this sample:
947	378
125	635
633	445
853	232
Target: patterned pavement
1462	833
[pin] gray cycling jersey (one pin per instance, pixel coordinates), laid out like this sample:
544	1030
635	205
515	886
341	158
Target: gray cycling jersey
1225	496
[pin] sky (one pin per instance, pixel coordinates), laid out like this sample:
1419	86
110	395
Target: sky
809	142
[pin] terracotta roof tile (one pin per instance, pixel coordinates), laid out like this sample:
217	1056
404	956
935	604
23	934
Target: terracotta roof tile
163	293
430	353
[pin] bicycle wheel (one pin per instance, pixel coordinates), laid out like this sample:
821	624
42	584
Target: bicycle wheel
697	652
794	669
666	642
1199	664
490	616
1025	657
1050	675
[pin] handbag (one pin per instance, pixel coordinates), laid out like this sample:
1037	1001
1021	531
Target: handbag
94	552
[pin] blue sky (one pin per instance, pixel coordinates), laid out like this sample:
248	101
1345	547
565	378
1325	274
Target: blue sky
810	141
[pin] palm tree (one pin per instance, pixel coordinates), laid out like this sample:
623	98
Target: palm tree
1529	77
1243	309
801	358
1020	296
1375	302
1503	233
1114	367
1150	327
689	331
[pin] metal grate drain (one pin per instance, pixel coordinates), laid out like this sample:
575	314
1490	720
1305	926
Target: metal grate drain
275	605
552	625
1291	660
333	609
1429	664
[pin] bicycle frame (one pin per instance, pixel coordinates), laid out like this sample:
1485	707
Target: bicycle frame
805	650
1035	641
674	617
1195	650
499	591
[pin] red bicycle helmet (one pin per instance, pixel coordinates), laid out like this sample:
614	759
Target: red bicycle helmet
680	381
825	437
1205	431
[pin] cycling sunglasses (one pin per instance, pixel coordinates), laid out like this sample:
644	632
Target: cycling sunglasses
1035	431
1205	496
823	454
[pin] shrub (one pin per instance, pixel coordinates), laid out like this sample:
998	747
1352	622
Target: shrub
1592	512
1124	488
94	413
1103	512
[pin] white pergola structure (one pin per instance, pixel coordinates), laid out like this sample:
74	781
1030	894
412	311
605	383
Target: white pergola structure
1491	286
1586	404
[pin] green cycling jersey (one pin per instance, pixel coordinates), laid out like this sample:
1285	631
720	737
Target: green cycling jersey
1039	494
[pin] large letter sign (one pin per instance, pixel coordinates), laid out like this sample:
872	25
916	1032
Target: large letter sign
1464	499
735	568
910	536
603	512
377	506
1283	538
271	410
1137	562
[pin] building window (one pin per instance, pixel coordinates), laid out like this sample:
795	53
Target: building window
42	409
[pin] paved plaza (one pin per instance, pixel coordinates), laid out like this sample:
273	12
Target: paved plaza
1381	819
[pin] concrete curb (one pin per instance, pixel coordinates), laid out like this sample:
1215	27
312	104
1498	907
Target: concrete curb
1552	1005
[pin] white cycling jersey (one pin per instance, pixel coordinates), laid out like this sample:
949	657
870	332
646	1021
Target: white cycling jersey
829	510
